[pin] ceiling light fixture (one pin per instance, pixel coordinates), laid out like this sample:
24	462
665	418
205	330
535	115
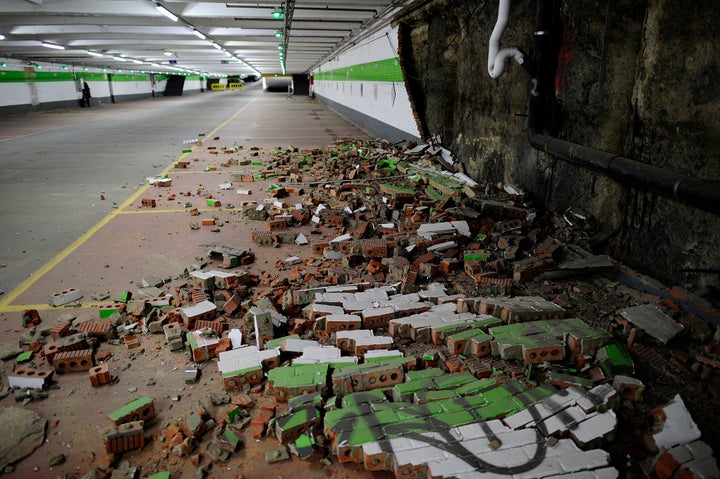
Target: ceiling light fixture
279	13
166	12
167	53
278	34
94	54
217	45
2	37
199	34
54	46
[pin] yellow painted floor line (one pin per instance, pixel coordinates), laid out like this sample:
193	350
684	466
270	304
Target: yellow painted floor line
43	270
184	210
14	308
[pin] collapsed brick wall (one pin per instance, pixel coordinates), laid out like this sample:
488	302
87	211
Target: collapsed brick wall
633	79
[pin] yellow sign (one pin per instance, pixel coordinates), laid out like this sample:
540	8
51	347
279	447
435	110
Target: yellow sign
236	86
217	86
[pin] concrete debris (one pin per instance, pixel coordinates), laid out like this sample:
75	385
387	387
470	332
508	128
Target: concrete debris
673	425
23	431
653	321
432	327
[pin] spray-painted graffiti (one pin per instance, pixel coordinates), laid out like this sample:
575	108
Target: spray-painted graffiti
442	438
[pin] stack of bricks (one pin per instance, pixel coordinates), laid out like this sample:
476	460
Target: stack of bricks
73	342
259	423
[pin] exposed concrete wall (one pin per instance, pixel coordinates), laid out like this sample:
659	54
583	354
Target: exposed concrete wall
635	78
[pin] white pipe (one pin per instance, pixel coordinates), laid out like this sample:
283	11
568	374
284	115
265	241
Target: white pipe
497	56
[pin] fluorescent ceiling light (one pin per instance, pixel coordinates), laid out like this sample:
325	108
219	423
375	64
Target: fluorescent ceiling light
168	54
95	54
53	46
137	61
166	12
2	37
199	34
217	45
120	59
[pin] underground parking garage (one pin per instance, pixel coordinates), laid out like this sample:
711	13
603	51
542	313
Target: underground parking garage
415	267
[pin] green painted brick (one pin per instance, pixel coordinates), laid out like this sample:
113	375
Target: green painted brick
500	409
456	418
231	437
423	373
24	357
130	407
314	399
453	380
240	372
105	313
474	387
304	441
297	418
277	342
233	414
429	396
364	397
403	389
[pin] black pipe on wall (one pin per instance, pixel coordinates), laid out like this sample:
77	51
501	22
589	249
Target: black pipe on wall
702	194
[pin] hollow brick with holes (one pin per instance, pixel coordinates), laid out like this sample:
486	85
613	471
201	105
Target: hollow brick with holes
73	361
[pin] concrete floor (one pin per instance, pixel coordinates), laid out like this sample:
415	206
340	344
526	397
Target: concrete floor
58	166
58	234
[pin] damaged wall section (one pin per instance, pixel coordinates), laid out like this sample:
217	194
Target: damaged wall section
365	85
630	78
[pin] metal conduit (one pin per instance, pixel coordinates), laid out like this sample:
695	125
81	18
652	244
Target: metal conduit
702	194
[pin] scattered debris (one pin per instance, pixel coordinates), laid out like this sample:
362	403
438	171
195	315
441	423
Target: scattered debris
411	319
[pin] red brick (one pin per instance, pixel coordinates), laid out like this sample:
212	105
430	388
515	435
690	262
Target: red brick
99	375
73	361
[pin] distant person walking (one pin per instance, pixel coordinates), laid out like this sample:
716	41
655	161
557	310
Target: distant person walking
86	95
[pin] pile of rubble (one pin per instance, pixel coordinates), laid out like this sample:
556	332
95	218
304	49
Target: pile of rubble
422	324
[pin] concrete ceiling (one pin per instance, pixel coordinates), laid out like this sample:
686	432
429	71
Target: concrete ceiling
240	37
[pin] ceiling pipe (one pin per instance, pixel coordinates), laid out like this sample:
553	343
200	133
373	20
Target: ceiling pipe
699	193
497	56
